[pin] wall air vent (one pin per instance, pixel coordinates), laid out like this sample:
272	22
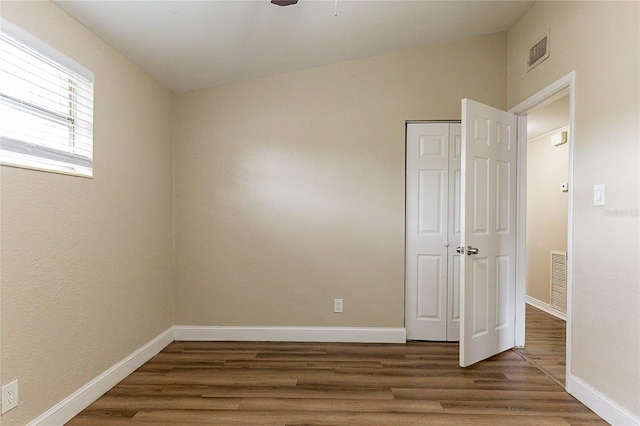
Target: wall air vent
559	280
538	52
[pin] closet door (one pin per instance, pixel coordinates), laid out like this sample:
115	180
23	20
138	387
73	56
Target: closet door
453	284
427	226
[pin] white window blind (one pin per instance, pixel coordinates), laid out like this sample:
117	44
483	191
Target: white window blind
46	108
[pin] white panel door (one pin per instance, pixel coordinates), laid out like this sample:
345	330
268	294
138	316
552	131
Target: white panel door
453	269
488	209
427	201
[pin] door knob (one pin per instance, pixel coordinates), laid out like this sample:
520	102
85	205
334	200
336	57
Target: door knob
460	250
471	250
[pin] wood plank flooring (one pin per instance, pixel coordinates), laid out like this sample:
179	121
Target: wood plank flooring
545	343
249	383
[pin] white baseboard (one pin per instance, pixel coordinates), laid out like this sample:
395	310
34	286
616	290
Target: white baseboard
292	334
545	307
66	409
601	404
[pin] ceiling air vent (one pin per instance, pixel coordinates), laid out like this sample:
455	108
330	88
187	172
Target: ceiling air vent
538	52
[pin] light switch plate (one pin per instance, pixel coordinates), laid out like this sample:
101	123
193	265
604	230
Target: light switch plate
598	194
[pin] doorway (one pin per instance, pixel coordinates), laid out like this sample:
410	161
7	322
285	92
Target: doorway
547	192
562	88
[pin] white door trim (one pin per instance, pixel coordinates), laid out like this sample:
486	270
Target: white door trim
543	97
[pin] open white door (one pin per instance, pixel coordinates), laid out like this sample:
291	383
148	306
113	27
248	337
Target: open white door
488	232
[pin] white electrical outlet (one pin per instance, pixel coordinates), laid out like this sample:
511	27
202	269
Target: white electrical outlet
9	396
338	305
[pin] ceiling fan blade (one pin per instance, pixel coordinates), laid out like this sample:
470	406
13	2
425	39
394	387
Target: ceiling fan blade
284	2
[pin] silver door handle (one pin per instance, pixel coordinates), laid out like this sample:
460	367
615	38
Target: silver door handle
460	250
471	250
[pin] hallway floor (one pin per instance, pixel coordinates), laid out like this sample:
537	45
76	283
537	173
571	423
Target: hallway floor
545	343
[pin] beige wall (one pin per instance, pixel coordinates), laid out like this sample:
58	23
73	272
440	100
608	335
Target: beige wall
600	41
86	263
547	169
289	190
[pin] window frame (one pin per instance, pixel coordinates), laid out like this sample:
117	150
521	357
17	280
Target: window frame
32	155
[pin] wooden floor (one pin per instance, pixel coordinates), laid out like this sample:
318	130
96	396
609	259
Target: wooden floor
545	343
248	383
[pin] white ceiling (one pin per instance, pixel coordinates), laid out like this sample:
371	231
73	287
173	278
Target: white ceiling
188	45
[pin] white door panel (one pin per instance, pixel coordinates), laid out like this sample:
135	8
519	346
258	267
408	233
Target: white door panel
427	201
430	200
453	287
488	209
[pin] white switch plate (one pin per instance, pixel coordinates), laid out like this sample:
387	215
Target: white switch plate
9	396
598	194
564	187
338	305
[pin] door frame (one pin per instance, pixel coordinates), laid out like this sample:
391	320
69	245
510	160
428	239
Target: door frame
543	97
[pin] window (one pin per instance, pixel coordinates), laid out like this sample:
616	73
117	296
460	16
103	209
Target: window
46	106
